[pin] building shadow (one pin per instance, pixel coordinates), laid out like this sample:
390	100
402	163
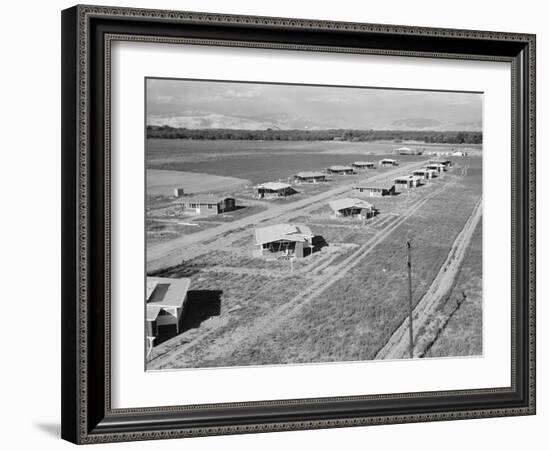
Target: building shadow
318	243
200	306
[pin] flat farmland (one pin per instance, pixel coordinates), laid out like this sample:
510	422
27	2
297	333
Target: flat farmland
163	182
341	303
259	161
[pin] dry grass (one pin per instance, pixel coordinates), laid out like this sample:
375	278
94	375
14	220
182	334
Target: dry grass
353	318
462	335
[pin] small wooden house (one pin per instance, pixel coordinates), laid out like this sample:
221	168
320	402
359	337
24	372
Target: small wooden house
208	204
352	207
362	165
376	189
274	189
388	162
286	238
426	174
408	151
310	177
166	299
445	162
407	181
341	170
436	167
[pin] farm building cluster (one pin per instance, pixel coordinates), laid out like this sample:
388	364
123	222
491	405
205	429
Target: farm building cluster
166	298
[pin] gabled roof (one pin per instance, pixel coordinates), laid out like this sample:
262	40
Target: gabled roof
273	185
282	231
205	199
345	203
310	174
363	163
375	185
388	160
165	293
338	168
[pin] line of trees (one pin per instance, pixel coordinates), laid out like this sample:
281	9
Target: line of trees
436	137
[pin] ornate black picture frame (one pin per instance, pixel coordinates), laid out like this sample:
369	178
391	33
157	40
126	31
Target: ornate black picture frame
87	34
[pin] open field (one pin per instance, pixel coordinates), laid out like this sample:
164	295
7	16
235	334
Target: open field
340	304
458	322
259	161
162	182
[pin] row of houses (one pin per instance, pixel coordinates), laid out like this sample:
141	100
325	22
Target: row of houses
212	204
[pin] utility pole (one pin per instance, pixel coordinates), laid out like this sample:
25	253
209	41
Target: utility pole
410	300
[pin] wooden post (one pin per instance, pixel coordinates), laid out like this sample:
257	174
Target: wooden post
410	300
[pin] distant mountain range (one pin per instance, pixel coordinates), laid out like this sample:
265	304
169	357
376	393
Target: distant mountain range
280	121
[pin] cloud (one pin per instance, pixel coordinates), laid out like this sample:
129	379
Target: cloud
309	106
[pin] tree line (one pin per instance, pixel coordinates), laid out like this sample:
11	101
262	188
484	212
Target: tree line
436	137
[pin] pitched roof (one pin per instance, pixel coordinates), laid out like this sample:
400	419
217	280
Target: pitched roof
386	184
345	203
282	231
338	168
273	185
205	199
309	174
363	163
165	293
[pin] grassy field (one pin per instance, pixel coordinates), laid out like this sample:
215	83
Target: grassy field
259	161
166	219
461	333
352	318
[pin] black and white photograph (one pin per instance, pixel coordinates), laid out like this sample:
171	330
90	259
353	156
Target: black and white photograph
300	224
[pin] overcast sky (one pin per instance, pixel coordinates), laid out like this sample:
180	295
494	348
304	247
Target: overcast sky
207	104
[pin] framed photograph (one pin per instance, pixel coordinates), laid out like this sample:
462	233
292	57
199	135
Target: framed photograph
278	224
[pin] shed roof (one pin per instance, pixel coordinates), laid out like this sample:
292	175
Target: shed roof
273	185
307	174
165	293
282	231
345	203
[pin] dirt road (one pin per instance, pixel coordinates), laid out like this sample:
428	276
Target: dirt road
397	346
170	253
278	316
